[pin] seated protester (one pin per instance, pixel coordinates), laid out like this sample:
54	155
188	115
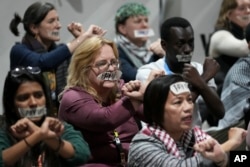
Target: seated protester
132	39
236	90
235	96
39	45
30	136
169	138
98	103
177	39
227	43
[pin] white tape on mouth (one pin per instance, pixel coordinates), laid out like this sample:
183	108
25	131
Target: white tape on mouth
32	112
110	76
184	58
144	33
245	18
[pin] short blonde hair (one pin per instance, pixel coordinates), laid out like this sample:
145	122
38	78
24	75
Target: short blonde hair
83	57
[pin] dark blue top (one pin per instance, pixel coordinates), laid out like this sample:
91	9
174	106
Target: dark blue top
22	55
127	67
30	52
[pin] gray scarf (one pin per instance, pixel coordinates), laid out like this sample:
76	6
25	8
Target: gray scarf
138	55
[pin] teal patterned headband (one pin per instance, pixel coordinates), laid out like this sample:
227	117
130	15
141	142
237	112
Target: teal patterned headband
130	9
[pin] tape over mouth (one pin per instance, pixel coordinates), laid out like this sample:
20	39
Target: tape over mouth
144	33
110	76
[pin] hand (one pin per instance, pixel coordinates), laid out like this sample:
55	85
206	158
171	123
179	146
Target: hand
75	29
212	150
156	48
210	68
23	128
248	136
155	74
237	136
52	127
134	89
95	30
192	76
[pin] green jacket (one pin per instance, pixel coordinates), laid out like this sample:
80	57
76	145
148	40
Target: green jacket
82	152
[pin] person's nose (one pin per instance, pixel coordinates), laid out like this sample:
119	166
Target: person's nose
187	49
248	9
32	101
145	24
111	67
58	24
188	106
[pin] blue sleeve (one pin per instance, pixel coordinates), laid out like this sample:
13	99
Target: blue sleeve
21	55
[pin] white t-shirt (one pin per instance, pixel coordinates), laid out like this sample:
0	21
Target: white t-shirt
144	71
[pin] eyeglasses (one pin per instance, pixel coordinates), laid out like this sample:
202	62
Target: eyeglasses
243	8
18	71
104	64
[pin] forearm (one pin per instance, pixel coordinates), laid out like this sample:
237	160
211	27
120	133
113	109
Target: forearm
95	116
223	162
229	145
72	45
206	77
12	154
223	42
81	148
62	147
212	100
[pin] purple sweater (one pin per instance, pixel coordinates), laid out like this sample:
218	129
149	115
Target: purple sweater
97	123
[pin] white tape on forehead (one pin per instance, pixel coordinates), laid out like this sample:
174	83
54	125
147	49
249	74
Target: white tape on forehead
179	87
144	33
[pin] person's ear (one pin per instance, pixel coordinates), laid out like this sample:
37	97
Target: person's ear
228	15
164	44
34	29
122	29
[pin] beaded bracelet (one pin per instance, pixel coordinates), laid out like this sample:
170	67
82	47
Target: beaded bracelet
26	142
